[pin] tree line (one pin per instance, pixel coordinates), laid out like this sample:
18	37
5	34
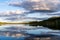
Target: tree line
53	23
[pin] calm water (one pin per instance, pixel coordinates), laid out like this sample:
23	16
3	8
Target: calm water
12	31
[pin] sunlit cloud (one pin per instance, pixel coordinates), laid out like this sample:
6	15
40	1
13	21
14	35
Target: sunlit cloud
39	4
12	12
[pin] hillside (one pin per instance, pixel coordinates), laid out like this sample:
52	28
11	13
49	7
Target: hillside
53	23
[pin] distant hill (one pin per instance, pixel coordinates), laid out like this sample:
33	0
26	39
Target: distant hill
53	23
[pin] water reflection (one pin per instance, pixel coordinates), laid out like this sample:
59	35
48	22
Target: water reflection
24	31
13	30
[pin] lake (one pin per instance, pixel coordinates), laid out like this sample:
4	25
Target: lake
23	32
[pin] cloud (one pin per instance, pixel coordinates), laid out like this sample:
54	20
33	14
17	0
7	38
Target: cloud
33	5
38	4
55	13
15	2
12	12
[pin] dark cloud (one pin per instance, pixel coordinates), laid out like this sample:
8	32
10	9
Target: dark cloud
39	5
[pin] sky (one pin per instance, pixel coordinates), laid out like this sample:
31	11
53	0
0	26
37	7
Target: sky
9	7
5	7
4	4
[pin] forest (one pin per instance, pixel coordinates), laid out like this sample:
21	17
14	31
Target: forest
52	23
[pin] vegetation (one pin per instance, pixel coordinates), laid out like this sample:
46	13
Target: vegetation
53	23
